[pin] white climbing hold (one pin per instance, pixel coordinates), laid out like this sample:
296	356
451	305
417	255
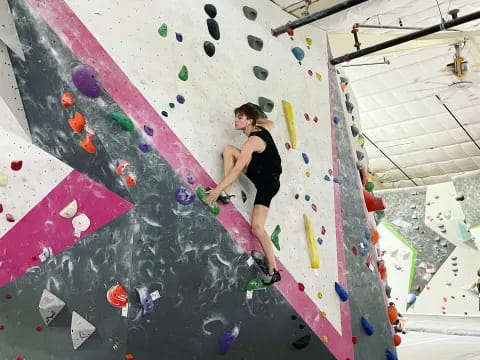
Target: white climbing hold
70	210
80	223
81	330
3	179
45	255
49	306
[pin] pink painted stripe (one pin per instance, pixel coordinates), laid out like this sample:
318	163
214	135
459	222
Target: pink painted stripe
44	227
88	50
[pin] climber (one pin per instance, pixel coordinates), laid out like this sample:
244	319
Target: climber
260	161
475	287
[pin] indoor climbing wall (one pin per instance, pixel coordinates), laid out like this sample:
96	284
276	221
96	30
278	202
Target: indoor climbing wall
116	252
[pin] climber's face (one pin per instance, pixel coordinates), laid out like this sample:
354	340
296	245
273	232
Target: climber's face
241	121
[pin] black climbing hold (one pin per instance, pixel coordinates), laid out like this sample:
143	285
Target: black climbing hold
213	29
301	326
294	317
349	106
211	10
460	198
164	113
303	342
266	104
260	73
209	48
244	196
297	196
465	313
255	43
250	13
360	155
355	130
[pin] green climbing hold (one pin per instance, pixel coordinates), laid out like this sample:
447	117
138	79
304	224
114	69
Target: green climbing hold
162	30
255	284
274	237
202	195
123	120
183	74
369	186
172	105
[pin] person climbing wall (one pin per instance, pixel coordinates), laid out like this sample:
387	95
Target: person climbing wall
475	287
260	161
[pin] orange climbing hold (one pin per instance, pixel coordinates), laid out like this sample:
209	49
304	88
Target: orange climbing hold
392	314
117	296
397	340
67	100
130	179
88	145
77	123
121	166
129	356
374	236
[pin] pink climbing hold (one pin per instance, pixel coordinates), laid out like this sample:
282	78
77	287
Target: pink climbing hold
314	207
9	217
310	72
38	328
307	117
1	208
8	296
323	230
315	119
288	146
301	287
16	165
2	327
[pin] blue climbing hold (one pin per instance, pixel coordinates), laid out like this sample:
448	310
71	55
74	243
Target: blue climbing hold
179	37
144	148
305	158
180	99
227	339
390	355
342	293
326	177
337	180
307	197
320	241
411	298
369	329
336	120
367	234
298	53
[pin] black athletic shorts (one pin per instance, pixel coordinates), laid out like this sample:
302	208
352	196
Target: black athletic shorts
266	192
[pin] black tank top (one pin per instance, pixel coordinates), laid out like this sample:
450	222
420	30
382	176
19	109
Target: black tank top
265	167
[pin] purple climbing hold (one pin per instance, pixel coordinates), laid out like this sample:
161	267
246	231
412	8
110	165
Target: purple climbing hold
184	196
227	339
337	180
87	80
179	37
180	99
148	130
145	299
144	148
190	179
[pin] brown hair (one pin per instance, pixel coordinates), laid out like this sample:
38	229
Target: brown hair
478	272
249	111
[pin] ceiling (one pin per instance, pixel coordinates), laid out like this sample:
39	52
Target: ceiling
399	109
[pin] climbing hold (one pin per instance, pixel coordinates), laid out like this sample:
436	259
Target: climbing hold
117	296
180	99
311	244
314	207
288	111
318	75
323	231
144	148
307	117
164	113
319	295
163	30
213	29
148	130
354	130
298	53
123	120
184	196
310	72
361	141
369	186
255	284
315	119
374	237
70	210
211	10
337	180
308	41
49	306
260	72
354	250
87	144
342	293
179	37
274	237
319	241
244	196
325	339
87	80
294	317
81	330
354	340
460	197
9	218
3	180
255	42
250	13
390	355
16	165
171	105
145	300
392	313
122	165
265	104
326	177
130	180
183	74
80	223
129	356
307	197
227	339
297	196
301	287
305	158
67	100
209	48
287	146
77	123
411	298
1	208
336	120
323	314
369	329
302	342
349	106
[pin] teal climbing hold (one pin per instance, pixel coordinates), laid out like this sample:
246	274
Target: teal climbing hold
298	53
123	120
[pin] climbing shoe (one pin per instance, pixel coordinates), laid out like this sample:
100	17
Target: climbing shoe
272	279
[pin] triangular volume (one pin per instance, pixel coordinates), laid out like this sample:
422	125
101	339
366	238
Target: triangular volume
81	330
50	306
8	32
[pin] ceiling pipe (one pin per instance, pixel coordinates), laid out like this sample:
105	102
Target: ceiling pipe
402	39
289	27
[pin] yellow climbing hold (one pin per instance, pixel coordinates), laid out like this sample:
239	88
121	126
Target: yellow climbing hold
325	339
361	141
311	243
318	75
308	41
320	295
323	314
307	174
335	158
288	111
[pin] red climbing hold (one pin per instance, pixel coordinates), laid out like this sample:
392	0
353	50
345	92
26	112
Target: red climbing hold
288	146
16	165
2	327
38	328
8	296
314	207
310	72
354	250
307	117
9	217
354	340
1	208
315	119
129	356
19	358
77	123
122	166
67	100
301	287
323	230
